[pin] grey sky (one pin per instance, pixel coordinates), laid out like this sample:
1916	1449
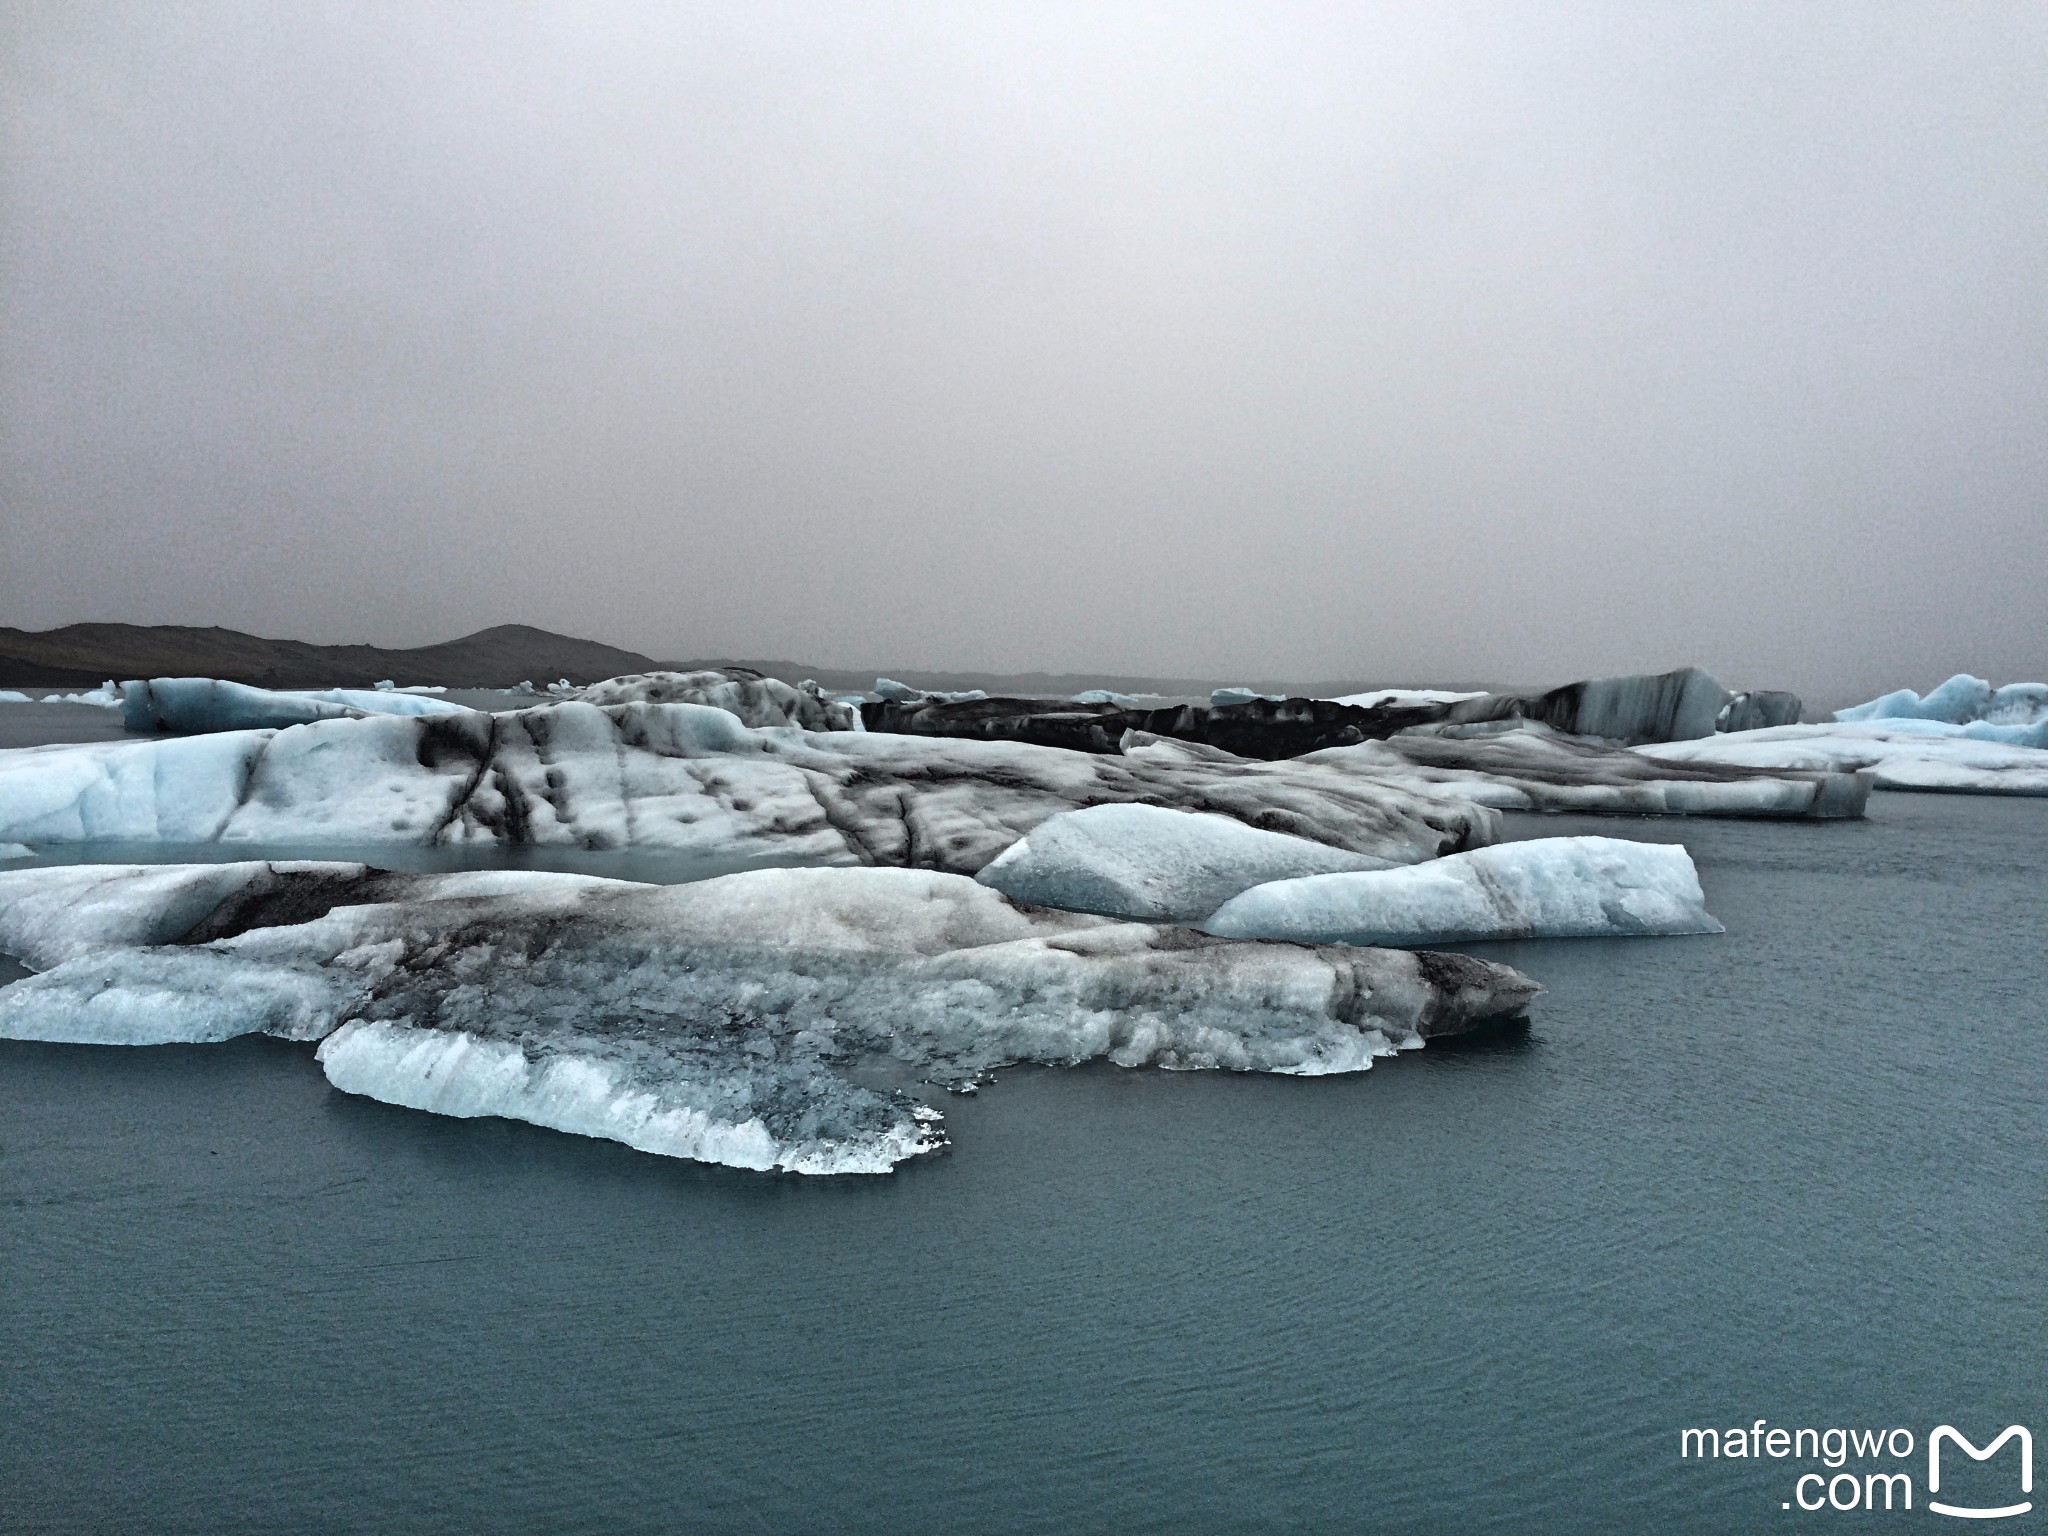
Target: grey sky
1434	341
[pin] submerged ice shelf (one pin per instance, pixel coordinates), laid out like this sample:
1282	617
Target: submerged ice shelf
774	1019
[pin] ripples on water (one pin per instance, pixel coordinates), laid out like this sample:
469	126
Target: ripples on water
1796	1172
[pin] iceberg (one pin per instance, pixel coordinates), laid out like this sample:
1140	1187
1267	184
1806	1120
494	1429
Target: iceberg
194	704
776	1019
1404	698
16	851
106	696
10	696
2016	714
1892	752
891	691
1523	766
755	698
685	778
1153	864
1223	698
1551	888
1670	706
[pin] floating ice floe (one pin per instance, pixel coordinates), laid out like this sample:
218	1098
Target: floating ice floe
16	851
196	704
774	1019
1223	698
1524	766
1376	698
9	696
106	696
1154	864
1895	752
680	777
1549	888
755	699
888	689
2020	709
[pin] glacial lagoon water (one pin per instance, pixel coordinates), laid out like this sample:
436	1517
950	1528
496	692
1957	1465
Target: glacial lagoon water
1797	1172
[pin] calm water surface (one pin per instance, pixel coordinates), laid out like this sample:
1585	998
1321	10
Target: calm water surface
1795	1173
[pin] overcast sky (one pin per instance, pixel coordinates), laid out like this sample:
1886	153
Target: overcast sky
1429	342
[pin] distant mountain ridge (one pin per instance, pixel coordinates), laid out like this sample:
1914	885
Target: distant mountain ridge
1053	685
86	654
83	655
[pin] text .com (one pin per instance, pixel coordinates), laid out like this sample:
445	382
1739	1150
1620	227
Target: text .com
1836	1485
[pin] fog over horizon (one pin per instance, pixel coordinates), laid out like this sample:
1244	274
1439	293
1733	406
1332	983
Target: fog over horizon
1412	343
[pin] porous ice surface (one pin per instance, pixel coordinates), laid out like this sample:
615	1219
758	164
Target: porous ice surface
1517	765
680	777
210	704
2016	714
1154	864
1549	888
1896	753
754	699
772	1019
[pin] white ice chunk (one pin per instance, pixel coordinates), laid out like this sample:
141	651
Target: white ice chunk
1551	888
1899	752
1154	864
16	851
9	696
757	1019
1221	698
1107	696
106	696
1375	697
161	997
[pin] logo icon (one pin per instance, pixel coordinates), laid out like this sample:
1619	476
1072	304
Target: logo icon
1950	1432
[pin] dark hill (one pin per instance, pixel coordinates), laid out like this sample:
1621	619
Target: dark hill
86	654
